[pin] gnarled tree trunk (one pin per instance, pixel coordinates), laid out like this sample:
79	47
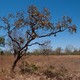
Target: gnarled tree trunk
15	62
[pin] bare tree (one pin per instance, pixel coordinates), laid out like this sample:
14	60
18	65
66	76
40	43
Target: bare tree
23	29
46	48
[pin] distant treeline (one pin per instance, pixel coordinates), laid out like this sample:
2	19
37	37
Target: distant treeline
57	51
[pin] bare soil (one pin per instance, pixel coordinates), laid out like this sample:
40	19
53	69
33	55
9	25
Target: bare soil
64	67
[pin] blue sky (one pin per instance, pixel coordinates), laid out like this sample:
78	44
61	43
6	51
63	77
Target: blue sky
58	8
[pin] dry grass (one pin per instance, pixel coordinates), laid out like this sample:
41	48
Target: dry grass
42	68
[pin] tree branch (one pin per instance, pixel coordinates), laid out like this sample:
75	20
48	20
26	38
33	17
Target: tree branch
52	33
37	43
14	40
26	44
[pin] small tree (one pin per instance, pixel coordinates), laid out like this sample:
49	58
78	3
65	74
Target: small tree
75	52
69	49
46	48
23	29
2	41
58	51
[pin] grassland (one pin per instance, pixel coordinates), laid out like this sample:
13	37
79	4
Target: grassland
51	67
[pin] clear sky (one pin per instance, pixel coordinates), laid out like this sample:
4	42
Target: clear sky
58	8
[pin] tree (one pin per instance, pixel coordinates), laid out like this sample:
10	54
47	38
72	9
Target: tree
69	49
46	48
75	52
23	29
2	41
58	50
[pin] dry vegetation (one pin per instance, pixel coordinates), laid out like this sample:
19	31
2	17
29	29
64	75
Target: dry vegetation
41	68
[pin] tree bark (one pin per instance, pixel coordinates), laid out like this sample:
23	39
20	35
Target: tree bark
15	62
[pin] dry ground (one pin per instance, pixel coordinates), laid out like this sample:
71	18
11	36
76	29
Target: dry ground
67	67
